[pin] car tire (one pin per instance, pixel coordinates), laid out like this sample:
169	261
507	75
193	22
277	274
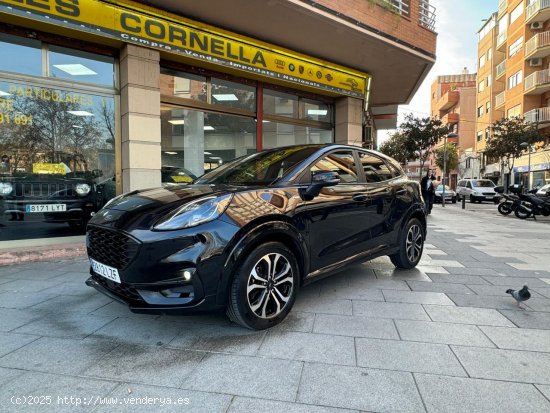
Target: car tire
454	200
264	305
472	200
411	245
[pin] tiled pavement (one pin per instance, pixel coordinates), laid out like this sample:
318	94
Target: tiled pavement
444	337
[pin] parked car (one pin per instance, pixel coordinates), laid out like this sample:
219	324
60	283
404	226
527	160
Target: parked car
245	236
476	190
450	195
544	190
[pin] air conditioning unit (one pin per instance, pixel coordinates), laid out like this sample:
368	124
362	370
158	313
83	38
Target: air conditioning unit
537	25
535	62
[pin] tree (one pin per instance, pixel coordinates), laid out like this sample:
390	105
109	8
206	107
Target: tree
507	137
421	134
452	157
395	147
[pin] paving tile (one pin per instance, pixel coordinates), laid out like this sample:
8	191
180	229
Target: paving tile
444	333
73	304
246	405
407	356
404	311
181	400
246	376
27	273
519	338
297	321
69	325
330	349
71	288
467	315
436	287
458	279
432	269
11	319
133	363
139	331
59	387
545	389
517	281
443	394
402	275
226	339
11	341
417	297
351	293
472	271
480	301
538	304
496	290
7	375
22	300
326	305
508	365
116	309
359	388
527	319
25	286
544	291
355	326
379	284
57	355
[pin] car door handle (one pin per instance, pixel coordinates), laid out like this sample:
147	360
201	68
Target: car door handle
359	197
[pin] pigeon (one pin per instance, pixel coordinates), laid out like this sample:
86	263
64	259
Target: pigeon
520	295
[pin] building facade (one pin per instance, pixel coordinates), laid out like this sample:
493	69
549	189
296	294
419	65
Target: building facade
453	100
517	37
103	97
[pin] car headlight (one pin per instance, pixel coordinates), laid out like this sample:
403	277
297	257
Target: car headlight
82	189
194	213
5	188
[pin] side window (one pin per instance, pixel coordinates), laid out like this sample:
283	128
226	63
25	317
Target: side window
376	170
461	183
341	162
469	185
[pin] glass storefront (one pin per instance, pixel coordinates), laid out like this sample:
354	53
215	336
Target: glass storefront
57	143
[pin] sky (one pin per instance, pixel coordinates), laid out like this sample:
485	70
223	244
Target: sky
457	24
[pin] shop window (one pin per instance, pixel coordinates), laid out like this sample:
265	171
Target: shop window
319	111
20	55
276	134
183	85
194	142
280	104
233	95
78	66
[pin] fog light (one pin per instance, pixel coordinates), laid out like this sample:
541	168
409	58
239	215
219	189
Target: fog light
186	275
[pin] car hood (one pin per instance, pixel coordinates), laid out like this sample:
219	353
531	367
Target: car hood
140	209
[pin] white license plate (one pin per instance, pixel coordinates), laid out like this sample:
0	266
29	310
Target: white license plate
45	208
105	271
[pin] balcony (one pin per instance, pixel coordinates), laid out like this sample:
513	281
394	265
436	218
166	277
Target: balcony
501	40
447	101
538	11
426	15
501	69
537	83
500	99
540	117
538	46
502	6
450	118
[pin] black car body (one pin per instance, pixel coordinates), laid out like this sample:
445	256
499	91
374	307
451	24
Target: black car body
255	229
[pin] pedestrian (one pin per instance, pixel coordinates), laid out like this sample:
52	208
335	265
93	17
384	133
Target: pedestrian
428	190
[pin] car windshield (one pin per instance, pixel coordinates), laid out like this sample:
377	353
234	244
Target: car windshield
440	188
261	168
484	184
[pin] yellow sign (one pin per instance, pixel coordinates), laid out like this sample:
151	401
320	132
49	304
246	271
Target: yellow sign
173	34
48	168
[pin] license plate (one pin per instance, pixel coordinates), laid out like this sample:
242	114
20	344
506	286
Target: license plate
45	208
105	271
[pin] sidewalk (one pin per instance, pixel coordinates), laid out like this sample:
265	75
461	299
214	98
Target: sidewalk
442	337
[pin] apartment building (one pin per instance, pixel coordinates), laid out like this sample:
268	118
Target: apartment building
514	46
453	100
121	93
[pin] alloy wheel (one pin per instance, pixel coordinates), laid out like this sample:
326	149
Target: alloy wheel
270	285
414	243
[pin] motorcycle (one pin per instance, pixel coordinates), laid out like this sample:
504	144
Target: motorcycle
532	205
507	203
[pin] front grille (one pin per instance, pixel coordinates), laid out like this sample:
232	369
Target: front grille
44	190
110	247
119	289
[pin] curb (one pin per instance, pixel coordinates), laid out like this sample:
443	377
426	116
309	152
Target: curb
44	253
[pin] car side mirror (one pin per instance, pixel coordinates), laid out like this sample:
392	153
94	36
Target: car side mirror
320	180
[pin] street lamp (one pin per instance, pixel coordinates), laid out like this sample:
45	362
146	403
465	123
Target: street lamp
450	135
528	146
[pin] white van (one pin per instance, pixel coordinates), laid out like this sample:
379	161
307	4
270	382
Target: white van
476	190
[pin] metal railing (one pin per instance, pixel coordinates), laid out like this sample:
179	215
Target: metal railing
500	99
501	38
534	8
502	5
538	115
538	40
537	79
501	68
426	16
